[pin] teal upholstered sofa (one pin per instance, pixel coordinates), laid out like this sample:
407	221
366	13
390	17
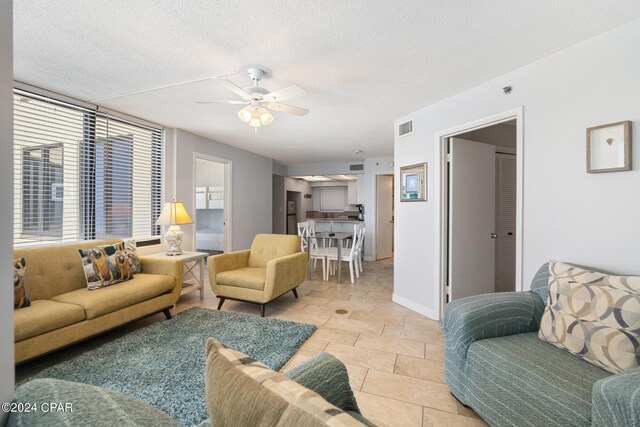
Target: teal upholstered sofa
496	364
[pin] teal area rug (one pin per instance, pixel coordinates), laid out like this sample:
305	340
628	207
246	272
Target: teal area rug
163	364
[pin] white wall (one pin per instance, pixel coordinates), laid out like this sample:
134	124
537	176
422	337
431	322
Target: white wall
279	221
569	215
251	181
6	208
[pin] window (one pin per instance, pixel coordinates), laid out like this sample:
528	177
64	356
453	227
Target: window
81	174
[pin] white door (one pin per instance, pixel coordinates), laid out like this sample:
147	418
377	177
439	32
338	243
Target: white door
472	186
384	216
506	222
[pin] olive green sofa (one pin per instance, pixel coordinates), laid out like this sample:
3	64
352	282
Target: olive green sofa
63	311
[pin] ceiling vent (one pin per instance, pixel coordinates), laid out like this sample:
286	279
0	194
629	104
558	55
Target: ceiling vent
405	128
356	167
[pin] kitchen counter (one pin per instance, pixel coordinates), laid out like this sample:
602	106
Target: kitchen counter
350	221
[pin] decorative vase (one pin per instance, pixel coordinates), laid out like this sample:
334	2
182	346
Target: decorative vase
174	240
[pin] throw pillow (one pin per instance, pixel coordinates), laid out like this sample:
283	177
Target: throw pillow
593	315
243	392
20	298
128	248
328	377
105	266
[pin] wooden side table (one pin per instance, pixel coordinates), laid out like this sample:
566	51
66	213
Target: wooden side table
195	259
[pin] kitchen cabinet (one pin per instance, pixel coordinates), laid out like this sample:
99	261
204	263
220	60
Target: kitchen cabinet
352	192
330	198
338	226
360	190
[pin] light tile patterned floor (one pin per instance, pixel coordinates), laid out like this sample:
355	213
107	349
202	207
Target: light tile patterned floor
394	356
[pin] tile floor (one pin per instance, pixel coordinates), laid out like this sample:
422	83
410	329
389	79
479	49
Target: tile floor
394	356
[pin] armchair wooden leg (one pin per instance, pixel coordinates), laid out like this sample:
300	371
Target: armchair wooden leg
295	292
222	300
167	313
262	310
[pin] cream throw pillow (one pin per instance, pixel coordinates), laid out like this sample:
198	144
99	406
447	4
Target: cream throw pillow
594	316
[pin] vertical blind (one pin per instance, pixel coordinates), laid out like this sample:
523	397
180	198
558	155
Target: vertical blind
81	174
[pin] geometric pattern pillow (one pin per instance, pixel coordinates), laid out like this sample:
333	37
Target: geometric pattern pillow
105	266
593	315
129	249
20	298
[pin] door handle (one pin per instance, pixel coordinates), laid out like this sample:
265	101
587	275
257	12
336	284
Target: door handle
493	235
391	222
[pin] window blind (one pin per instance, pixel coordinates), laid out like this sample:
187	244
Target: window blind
81	174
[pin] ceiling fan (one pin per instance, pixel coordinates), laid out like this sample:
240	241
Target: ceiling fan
259	100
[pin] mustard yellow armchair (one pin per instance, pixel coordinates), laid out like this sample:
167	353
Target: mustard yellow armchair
272	267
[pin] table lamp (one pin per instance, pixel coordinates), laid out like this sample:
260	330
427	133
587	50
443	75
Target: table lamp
174	214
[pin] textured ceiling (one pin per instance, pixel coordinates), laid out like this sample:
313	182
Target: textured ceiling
363	63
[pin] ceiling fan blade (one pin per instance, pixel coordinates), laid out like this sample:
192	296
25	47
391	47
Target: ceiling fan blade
235	89
284	108
222	102
284	94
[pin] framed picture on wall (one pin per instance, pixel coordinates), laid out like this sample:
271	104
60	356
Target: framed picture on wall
413	185
609	147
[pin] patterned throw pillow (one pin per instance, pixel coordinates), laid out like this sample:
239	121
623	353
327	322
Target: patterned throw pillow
594	316
105	266
129	249
20	298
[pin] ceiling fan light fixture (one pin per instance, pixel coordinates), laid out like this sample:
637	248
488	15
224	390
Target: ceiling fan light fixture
245	114
265	116
255	122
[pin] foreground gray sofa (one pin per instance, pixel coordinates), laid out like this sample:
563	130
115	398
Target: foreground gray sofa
496	364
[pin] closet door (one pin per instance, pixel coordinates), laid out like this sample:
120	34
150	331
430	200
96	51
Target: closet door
505	222
472	184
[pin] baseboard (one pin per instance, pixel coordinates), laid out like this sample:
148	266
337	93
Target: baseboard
411	305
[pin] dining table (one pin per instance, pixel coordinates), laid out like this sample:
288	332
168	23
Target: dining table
326	237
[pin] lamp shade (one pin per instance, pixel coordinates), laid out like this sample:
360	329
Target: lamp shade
174	213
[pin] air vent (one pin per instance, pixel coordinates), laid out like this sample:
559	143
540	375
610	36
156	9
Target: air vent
405	128
358	167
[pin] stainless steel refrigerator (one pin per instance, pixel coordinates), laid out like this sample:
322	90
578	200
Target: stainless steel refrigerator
292	218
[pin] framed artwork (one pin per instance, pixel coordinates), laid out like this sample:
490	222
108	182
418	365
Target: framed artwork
609	147
413	183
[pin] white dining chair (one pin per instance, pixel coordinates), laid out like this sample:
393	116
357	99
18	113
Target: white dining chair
360	249
306	231
350	257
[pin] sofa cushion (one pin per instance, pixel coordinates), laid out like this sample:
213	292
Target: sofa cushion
43	316
248	277
99	302
243	392
88	405
515	379
20	297
593	315
266	247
